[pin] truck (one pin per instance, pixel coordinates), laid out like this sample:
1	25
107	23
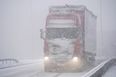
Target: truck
69	38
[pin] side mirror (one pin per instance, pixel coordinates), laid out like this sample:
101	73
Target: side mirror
42	34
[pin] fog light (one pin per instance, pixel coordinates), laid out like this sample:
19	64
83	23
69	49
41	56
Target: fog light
46	58
75	59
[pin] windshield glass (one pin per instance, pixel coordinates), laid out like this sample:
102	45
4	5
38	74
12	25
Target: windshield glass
69	33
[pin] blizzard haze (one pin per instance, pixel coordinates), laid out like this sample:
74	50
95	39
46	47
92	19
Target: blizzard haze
21	21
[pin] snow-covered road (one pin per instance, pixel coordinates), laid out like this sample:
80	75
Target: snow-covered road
35	69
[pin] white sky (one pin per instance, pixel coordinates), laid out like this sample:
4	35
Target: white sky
21	20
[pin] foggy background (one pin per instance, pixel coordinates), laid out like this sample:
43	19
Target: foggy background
21	21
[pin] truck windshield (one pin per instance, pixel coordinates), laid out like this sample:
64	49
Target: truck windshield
69	33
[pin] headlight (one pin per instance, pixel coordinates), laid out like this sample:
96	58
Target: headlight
75	59
46	58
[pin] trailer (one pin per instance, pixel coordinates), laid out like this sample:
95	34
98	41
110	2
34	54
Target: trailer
69	38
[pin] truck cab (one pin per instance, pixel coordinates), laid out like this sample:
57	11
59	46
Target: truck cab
63	39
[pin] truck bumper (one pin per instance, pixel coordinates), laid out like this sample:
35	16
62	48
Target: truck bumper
70	66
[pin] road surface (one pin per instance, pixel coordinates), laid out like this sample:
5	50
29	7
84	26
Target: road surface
35	69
